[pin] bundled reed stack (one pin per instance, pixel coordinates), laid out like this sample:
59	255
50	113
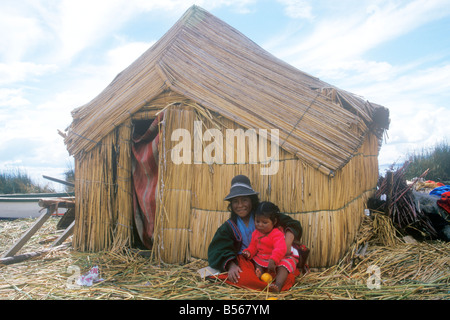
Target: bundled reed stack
104	212
225	107
175	192
123	194
401	206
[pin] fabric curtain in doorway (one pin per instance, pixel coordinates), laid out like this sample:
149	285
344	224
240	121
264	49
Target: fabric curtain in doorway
145	179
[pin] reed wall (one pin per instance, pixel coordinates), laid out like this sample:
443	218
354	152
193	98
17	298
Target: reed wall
103	194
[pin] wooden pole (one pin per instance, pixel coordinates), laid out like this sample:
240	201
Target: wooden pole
30	232
66	183
26	256
389	185
65	235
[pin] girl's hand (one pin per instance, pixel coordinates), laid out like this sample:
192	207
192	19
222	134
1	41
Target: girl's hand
246	254
234	272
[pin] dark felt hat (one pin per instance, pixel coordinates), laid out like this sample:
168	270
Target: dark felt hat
240	186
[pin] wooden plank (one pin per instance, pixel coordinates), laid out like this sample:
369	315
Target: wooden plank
65	235
26	256
389	186
66	183
21	257
63	202
30	232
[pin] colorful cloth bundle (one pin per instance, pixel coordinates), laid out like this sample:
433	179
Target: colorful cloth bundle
444	201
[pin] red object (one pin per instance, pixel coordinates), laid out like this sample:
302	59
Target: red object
444	201
249	280
267	246
264	247
145	180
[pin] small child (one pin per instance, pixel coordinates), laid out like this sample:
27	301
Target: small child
268	248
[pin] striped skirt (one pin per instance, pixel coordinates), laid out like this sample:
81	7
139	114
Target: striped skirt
289	261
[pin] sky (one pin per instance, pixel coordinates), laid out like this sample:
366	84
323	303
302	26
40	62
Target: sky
57	55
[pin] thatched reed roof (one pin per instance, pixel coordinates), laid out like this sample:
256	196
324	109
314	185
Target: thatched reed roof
213	64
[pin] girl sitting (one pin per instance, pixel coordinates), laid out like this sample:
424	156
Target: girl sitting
268	248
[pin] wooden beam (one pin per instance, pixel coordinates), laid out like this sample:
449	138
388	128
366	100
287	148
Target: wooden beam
26	256
21	257
30	232
65	235
67	202
66	183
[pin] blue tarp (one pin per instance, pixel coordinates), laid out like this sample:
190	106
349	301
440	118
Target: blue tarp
440	190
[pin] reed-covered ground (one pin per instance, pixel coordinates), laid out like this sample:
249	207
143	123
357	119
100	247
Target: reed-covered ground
378	266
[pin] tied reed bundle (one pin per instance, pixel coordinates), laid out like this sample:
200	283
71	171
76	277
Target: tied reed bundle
94	194
103	189
384	230
123	233
400	204
172	223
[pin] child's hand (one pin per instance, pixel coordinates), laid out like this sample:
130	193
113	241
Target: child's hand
272	266
246	254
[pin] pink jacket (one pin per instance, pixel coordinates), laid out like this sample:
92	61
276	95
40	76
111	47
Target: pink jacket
267	246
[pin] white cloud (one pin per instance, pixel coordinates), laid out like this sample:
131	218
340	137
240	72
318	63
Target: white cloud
297	9
62	28
12	98
29	130
30	139
21	71
338	39
67	27
417	100
78	24
21	31
177	7
121	57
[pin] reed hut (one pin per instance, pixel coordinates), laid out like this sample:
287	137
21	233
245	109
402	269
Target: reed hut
156	150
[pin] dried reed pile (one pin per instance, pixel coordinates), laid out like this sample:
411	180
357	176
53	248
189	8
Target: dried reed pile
400	205
407	272
418	271
384	230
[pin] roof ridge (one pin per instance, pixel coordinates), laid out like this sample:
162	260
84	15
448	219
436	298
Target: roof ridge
191	13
